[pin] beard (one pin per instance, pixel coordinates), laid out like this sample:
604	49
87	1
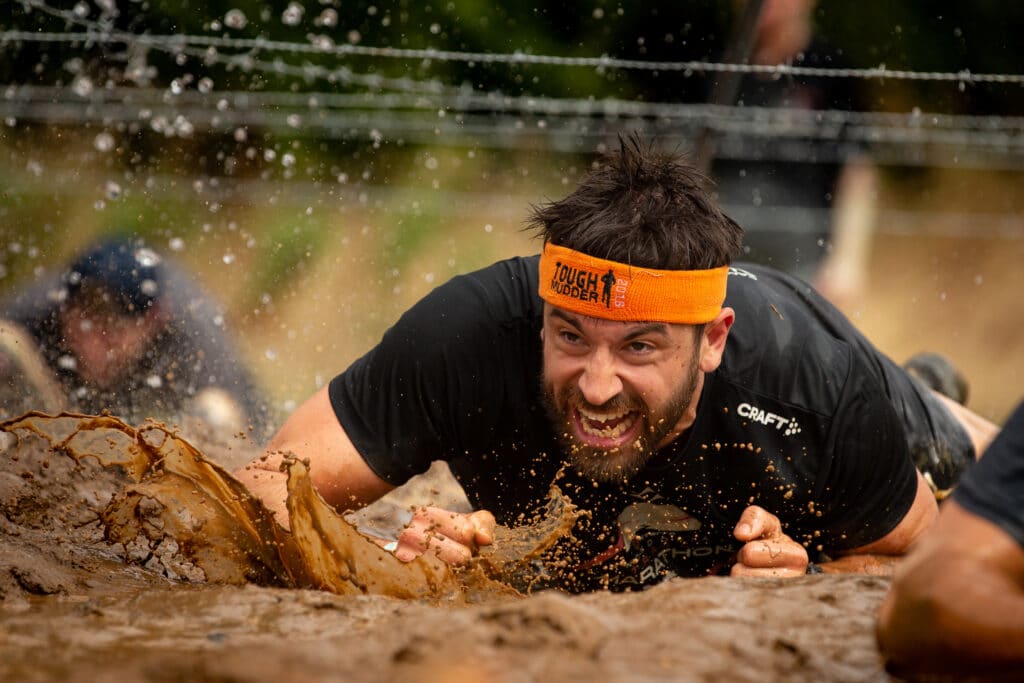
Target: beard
622	462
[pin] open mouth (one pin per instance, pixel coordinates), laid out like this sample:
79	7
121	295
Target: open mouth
607	430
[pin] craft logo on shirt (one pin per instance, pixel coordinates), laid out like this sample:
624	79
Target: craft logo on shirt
589	285
787	425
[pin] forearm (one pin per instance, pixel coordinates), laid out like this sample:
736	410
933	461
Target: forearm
958	616
957	604
872	564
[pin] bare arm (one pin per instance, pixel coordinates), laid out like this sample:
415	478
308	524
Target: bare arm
338	472
957	603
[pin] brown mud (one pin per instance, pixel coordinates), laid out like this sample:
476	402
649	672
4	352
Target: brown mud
127	554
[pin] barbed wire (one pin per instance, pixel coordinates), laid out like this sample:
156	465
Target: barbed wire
98	33
430	110
830	136
323	45
468	100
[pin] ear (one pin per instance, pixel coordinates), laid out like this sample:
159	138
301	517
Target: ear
712	342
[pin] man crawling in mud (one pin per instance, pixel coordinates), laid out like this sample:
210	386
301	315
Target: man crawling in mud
707	417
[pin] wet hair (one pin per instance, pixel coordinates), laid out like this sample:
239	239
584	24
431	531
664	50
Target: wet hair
124	270
642	208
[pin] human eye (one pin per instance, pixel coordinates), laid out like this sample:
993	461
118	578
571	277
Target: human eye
640	347
569	337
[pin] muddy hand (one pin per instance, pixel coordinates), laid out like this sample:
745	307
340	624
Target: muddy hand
766	550
453	536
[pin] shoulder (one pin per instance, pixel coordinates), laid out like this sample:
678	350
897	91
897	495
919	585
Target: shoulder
787	342
502	295
35	302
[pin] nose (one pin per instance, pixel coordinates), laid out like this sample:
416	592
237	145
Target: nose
600	381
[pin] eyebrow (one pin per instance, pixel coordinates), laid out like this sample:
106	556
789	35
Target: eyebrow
645	328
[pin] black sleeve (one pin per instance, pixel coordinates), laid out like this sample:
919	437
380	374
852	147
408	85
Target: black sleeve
419	395
871	481
993	488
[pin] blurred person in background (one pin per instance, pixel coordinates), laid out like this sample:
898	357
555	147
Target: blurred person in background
956	607
123	330
813	215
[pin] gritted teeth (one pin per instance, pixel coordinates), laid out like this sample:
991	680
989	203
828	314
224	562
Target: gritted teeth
606	426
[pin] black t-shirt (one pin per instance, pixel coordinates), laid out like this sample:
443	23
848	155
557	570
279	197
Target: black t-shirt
803	417
994	487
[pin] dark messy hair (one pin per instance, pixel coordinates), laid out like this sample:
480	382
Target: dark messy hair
642	208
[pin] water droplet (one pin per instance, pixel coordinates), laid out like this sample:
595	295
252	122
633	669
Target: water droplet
292	14
154	381
435	28
228	258
205	84
146	257
236	19
113	190
270	354
488	228
176	244
978	279
328	17
82	86
322	42
287	159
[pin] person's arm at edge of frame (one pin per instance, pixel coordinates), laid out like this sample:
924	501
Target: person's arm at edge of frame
337	470
957	602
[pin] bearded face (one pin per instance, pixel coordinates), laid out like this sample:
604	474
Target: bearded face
616	392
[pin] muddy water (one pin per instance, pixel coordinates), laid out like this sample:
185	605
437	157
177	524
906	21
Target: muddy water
130	554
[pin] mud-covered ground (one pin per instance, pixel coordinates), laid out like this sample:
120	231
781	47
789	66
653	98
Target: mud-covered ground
76	607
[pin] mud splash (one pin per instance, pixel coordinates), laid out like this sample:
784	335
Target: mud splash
205	526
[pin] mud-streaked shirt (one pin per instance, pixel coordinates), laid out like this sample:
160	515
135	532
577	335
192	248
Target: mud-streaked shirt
804	417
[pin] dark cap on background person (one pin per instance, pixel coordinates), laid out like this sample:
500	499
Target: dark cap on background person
126	270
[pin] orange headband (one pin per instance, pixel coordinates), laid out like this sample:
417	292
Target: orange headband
610	290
